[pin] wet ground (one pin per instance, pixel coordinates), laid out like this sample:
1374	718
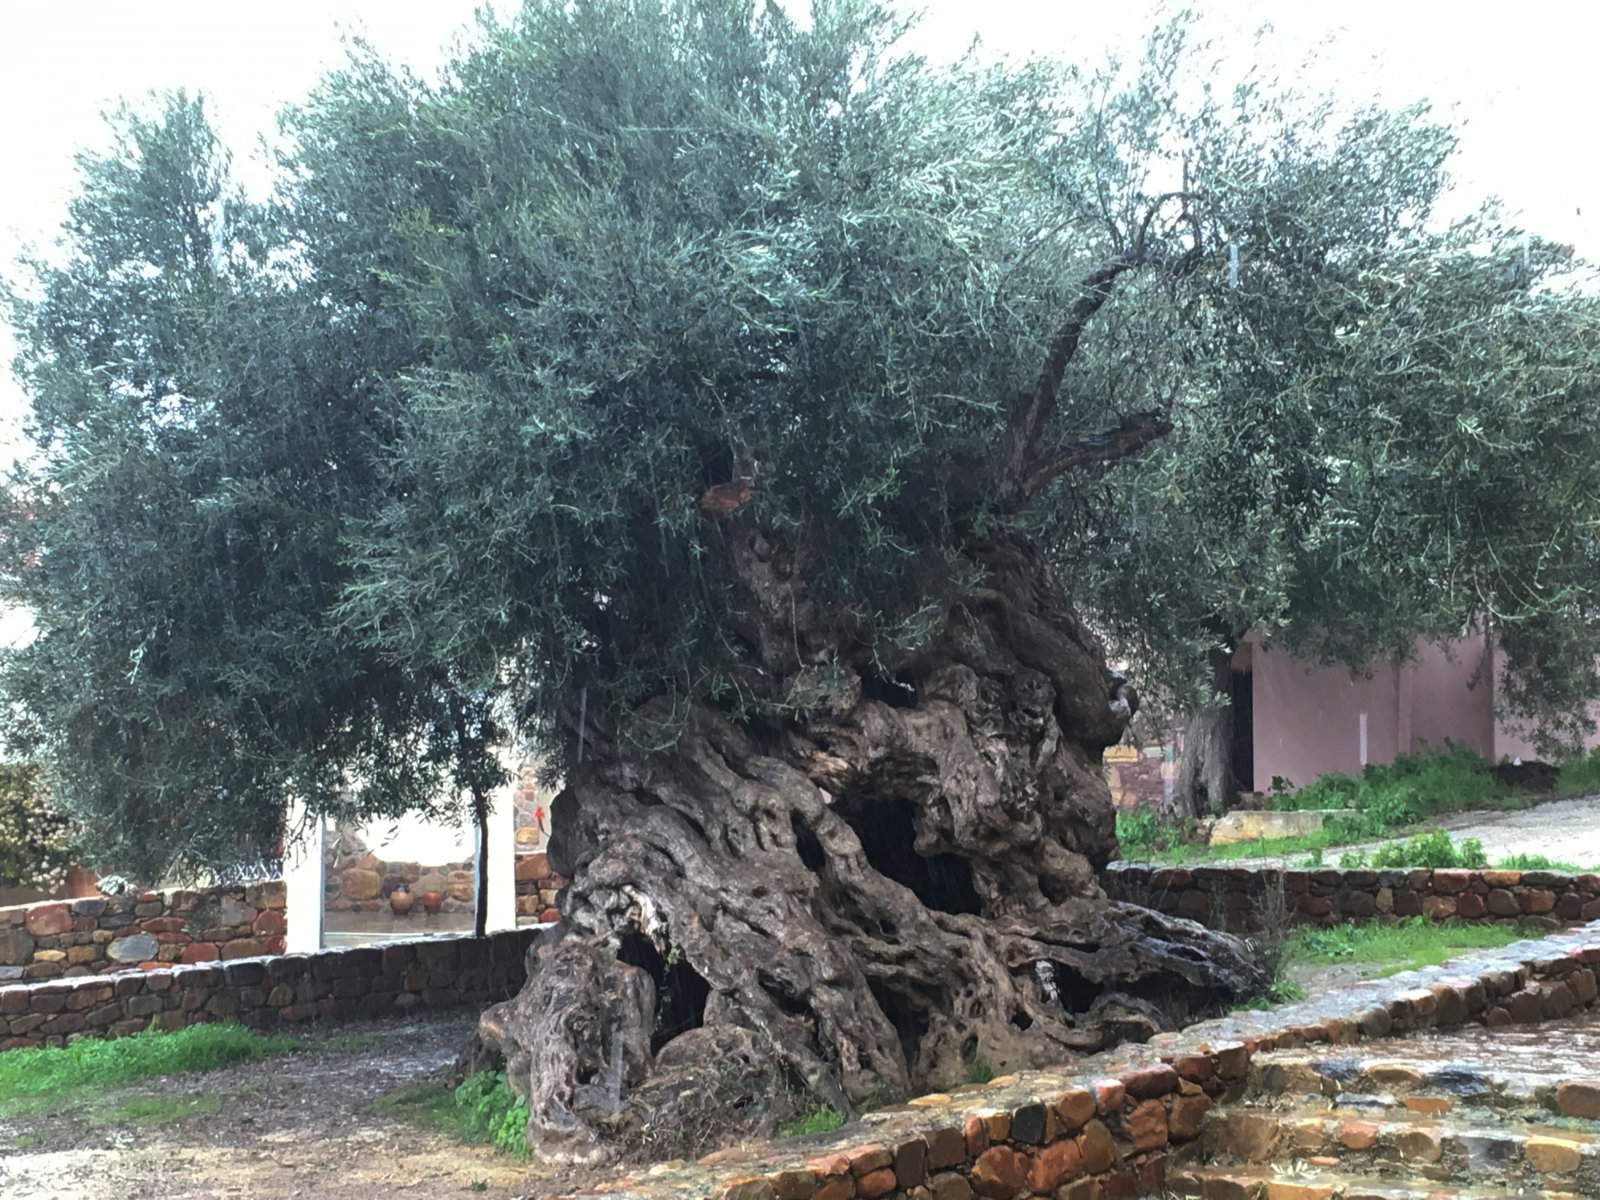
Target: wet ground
298	1124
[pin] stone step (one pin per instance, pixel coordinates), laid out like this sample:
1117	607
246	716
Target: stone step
1476	1146
1506	1069
1306	1182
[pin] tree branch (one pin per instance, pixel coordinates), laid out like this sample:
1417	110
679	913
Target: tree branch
1032	410
1132	434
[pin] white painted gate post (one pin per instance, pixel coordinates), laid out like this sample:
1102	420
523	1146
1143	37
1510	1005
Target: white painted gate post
302	878
502	852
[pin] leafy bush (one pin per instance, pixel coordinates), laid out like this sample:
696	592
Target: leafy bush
34	839
1390	795
1141	834
1581	774
490	1112
1431	849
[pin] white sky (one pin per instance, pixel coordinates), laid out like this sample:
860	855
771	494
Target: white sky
1519	78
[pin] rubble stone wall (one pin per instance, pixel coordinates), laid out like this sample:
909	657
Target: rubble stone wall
266	992
1244	899
58	939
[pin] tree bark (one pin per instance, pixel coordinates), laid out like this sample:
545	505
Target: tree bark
480	898
1206	785
875	896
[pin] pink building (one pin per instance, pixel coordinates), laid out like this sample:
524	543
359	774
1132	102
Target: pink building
1299	721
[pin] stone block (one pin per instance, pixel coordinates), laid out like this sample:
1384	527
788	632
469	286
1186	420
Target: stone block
271	893
1146	1125
142	1006
134	948
46	919
1552	1155
1096	1148
1000	1173
1538	901
1439	908
359	883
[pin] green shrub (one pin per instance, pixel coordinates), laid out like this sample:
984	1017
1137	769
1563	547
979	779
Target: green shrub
35	840
1391	795
1431	849
1581	774
490	1112
1140	834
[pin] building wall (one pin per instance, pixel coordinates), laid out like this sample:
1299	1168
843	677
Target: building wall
1309	719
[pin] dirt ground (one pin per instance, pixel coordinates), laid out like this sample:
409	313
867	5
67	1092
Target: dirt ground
296	1124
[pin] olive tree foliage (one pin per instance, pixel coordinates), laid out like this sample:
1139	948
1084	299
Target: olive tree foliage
203	435
328	486
657	249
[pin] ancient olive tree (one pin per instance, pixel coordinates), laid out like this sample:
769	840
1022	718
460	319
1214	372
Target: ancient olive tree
750	415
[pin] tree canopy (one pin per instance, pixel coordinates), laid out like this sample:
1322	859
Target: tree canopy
337	489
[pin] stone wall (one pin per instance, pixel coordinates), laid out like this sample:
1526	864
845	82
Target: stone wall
73	938
357	880
266	992
1243	899
537	887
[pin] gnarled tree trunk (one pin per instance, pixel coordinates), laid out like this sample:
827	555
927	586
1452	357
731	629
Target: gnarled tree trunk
862	903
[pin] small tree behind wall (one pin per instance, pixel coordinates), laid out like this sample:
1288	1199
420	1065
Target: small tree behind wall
35	840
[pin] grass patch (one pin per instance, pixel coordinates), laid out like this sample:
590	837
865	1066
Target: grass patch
156	1110
1579	775
1281	991
1404	945
30	1077
1538	862
483	1111
821	1120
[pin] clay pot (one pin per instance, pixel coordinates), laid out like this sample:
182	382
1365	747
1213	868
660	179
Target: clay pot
431	902
400	901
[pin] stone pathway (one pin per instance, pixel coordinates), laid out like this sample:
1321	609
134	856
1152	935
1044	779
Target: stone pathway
1465	1113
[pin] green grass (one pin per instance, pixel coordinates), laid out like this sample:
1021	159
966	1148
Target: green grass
155	1110
1385	799
1281	991
483	1110
1403	945
1580	775
30	1077
822	1120
1538	862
